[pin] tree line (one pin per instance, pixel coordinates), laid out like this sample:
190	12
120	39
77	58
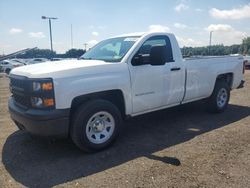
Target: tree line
217	50
214	50
46	53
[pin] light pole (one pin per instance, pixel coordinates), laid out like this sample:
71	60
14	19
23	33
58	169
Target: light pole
210	41
71	31
51	44
85	44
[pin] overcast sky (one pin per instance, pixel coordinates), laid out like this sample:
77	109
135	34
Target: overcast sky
21	25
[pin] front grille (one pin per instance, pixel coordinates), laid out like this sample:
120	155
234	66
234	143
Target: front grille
22	100
19	87
18	83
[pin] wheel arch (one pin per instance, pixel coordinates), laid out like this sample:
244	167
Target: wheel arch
114	96
227	77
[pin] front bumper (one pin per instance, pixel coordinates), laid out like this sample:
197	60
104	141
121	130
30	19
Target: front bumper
53	123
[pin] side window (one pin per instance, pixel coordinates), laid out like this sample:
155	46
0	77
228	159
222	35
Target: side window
156	50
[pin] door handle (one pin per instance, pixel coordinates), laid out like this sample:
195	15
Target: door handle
175	69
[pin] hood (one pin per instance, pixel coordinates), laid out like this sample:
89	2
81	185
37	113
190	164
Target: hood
64	68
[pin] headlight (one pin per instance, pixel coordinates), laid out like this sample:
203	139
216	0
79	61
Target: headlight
42	94
36	86
45	86
38	102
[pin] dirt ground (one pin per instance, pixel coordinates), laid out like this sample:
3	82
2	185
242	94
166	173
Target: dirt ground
179	147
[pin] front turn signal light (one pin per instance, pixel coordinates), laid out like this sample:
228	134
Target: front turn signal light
47	86
48	102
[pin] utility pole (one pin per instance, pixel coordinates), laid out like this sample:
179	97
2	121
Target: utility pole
51	44
85	45
50	31
210	41
71	29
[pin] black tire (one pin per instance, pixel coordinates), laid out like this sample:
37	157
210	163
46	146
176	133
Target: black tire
7	71
81	118
212	102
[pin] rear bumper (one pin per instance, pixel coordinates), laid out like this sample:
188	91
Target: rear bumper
53	123
241	84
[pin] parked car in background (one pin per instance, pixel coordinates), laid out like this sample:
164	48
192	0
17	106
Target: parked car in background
22	61
247	62
7	65
37	60
57	59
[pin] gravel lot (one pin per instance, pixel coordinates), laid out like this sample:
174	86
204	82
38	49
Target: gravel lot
179	147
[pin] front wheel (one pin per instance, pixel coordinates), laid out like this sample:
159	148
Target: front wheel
95	125
7	71
219	99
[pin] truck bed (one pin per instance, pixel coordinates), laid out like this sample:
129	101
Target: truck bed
200	70
213	57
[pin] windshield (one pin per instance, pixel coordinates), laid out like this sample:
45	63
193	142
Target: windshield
111	50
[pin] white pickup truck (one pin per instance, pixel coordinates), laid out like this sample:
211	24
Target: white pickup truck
120	77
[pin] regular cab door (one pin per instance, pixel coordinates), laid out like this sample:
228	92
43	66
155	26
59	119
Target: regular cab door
153	75
156	79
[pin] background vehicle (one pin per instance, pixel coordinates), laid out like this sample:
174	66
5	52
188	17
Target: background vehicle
120	77
7	65
247	62
56	59
22	61
37	60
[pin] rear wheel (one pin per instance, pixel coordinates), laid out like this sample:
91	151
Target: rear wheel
95	125
219	99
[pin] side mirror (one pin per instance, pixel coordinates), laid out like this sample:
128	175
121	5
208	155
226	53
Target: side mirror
158	55
141	59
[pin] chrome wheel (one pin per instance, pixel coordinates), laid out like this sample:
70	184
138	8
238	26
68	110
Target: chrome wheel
222	98
100	127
